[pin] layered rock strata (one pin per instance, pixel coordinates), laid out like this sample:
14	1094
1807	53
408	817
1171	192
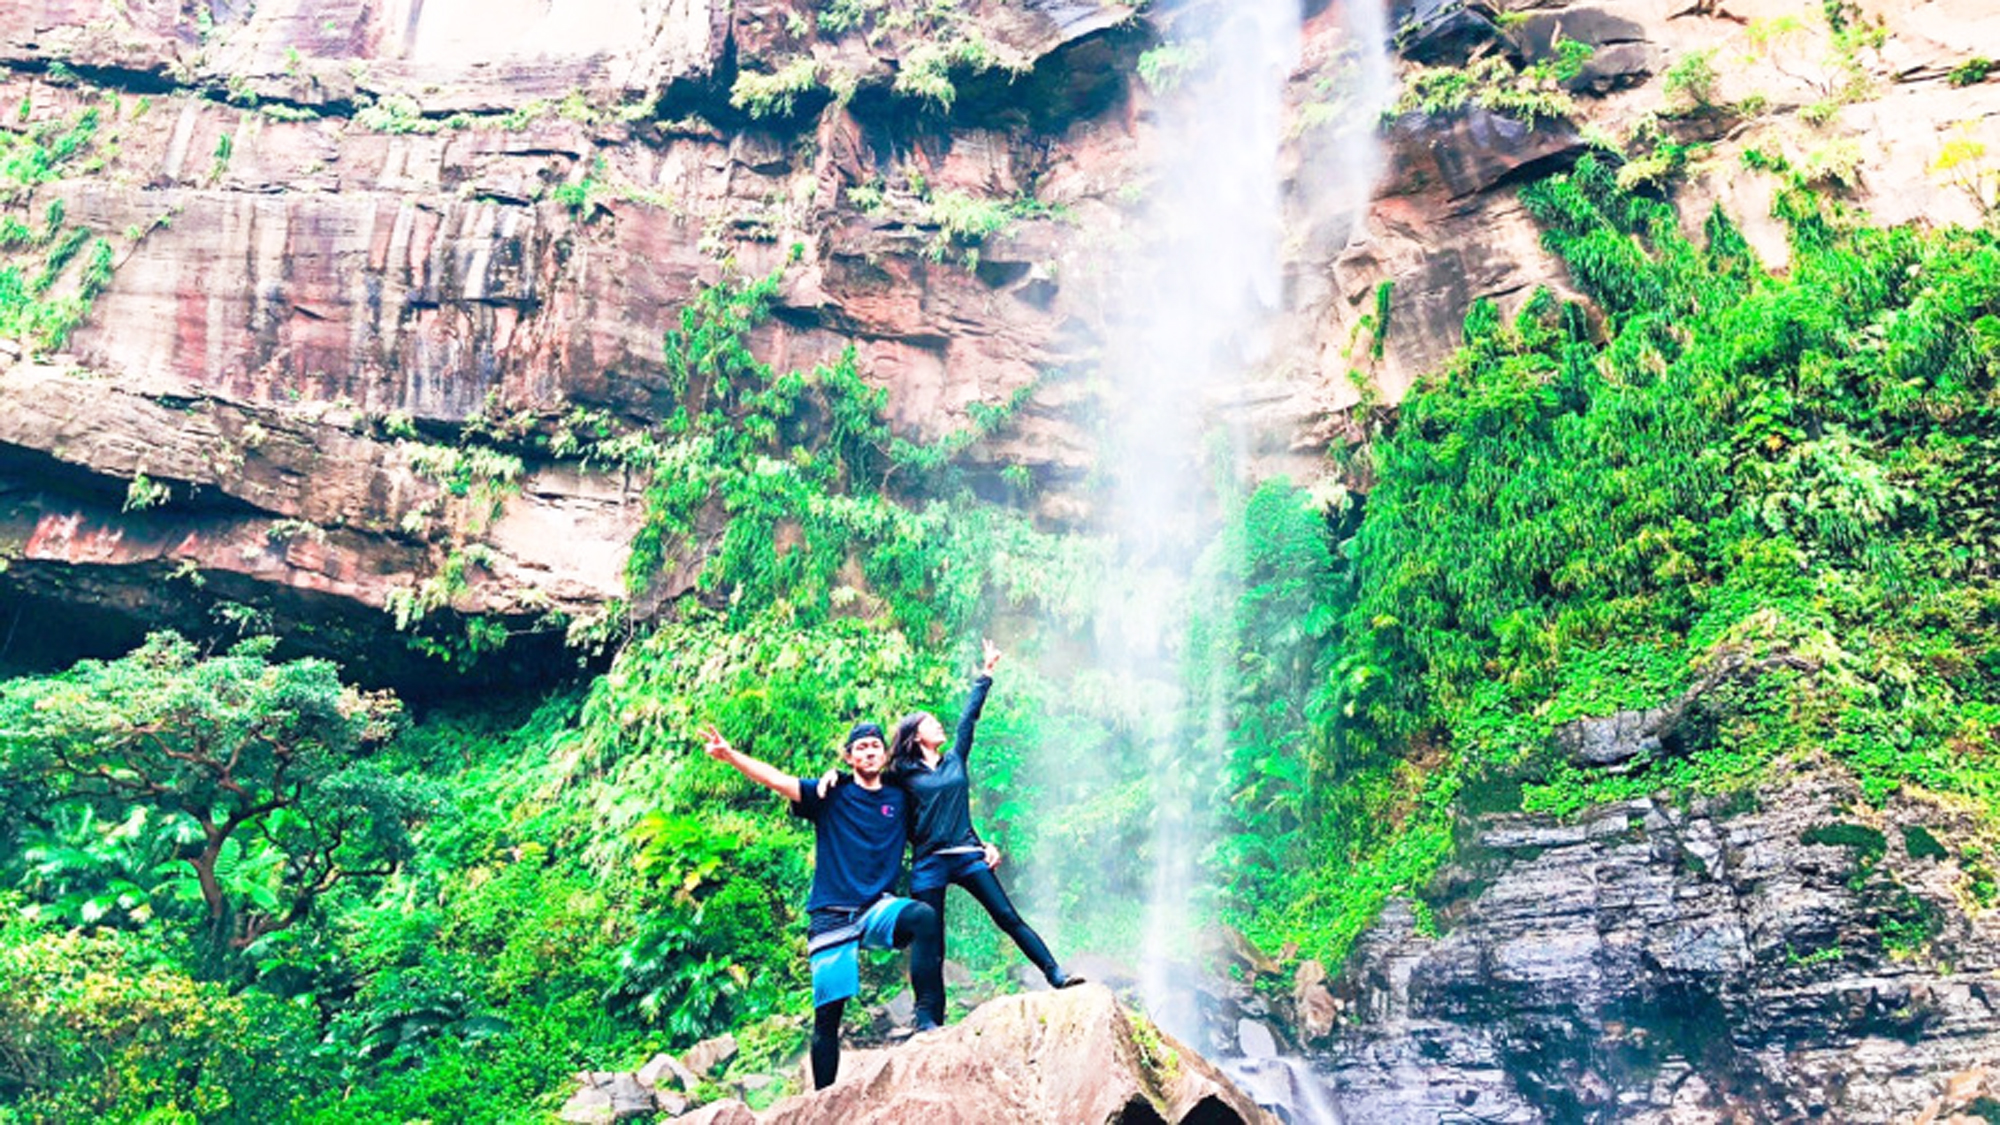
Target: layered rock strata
443	220
1798	955
454	214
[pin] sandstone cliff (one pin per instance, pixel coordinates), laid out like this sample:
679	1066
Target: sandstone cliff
331	236
332	240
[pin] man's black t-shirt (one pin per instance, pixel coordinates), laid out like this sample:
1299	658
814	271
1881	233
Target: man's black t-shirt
858	839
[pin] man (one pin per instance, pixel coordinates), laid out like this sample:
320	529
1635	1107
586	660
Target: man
859	832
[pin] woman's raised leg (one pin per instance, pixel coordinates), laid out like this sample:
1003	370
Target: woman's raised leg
985	887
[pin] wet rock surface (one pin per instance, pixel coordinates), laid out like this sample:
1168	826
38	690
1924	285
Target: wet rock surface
1801	956
1442	31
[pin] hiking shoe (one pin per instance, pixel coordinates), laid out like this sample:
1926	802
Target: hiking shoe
1059	979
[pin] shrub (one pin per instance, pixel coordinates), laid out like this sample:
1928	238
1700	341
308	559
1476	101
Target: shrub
1691	80
775	94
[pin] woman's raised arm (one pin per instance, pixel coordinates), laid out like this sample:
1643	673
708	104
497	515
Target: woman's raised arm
968	720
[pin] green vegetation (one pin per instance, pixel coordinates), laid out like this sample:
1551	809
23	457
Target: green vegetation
144	492
1691	81
42	297
402	114
1909	925
1155	1053
1665	162
474	482
1867	844
224	148
1971	72
803	459
1965	163
279	111
397	114
1844	76
1378	327
252	769
1920	843
1495	83
1567	523
1334	95
775	94
964	221
512	896
582	198
942	41
1165	67
924	73
99	1029
866	198
836	16
283	531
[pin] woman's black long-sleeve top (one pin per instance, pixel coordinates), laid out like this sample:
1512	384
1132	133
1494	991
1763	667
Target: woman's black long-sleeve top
940	809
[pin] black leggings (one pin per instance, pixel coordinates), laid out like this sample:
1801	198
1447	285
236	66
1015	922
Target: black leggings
826	1043
985	887
919	928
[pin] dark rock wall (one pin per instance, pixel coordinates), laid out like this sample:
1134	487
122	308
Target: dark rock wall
1796	956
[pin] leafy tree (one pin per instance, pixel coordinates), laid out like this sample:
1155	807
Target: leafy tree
98	1027
252	753
1261	642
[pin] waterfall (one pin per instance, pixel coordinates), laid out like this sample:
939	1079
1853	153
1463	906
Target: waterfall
1201	293
1195	319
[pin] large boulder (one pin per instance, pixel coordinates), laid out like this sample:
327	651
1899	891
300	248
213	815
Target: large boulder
1474	149
1042	1058
706	1057
606	1098
1441	32
1624	739
1621	52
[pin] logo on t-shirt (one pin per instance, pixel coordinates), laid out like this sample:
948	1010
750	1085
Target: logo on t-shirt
888	810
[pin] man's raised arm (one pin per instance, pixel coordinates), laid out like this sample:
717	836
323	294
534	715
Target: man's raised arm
763	773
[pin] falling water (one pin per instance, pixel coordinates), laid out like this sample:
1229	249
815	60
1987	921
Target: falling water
1201	298
1195	321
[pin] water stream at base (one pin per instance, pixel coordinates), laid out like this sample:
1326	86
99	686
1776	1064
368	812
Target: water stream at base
1286	1085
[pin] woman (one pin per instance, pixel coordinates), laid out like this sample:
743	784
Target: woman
947	851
